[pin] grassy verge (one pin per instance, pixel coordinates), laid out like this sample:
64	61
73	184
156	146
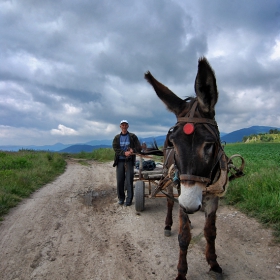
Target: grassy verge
102	155
258	192
24	172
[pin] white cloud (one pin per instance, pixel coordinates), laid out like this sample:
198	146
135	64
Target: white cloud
275	55
63	130
72	110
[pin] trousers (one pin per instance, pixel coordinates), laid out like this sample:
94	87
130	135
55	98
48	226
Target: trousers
125	173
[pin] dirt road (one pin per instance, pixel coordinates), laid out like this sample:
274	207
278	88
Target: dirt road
56	234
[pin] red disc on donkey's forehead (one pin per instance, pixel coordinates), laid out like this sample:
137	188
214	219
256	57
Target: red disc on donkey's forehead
188	128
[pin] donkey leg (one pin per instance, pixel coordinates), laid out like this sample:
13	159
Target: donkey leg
184	238
210	232
169	219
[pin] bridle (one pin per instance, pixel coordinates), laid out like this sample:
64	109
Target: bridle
212	185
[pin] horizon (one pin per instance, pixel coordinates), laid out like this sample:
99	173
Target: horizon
140	138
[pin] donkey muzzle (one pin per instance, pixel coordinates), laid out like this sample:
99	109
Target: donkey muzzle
188	211
190	198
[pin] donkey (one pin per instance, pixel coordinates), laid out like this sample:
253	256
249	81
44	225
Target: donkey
194	146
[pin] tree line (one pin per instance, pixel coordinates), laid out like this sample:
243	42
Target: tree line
274	131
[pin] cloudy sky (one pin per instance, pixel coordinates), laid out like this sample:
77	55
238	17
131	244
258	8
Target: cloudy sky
72	69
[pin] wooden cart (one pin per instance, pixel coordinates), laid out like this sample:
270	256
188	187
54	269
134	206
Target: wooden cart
149	184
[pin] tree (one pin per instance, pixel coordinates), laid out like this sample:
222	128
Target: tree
274	131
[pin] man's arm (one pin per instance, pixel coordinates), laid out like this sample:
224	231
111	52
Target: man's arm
117	147
137	146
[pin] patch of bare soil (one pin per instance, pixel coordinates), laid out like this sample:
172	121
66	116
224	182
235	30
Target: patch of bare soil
74	229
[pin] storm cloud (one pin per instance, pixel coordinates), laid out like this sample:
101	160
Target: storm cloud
71	70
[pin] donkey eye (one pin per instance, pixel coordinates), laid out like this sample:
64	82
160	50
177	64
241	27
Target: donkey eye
172	133
208	151
209	148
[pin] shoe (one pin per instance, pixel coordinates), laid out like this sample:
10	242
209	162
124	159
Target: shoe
128	204
120	202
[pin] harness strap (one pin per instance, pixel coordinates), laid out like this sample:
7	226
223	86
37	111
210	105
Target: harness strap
187	177
170	197
196	120
210	129
189	118
193	109
169	152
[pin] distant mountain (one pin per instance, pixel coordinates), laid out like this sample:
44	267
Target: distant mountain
237	136
54	148
108	144
150	140
233	137
222	134
99	142
83	148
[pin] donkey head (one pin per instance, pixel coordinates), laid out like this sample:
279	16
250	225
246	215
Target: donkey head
195	137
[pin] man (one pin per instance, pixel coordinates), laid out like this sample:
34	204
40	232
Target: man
125	145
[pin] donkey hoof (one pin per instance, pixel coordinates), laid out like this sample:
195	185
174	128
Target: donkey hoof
167	232
216	275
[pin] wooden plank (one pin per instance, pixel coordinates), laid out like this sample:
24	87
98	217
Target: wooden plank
151	172
154	176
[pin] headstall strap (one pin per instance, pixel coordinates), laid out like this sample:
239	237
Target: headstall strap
168	154
196	120
189	118
192	110
186	177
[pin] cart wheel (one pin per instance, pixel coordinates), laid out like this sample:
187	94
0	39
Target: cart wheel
139	196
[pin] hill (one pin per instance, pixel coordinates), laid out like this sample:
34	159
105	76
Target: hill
263	138
237	136
100	142
149	140
89	148
53	148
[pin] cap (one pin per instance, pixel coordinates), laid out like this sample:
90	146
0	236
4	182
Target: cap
124	121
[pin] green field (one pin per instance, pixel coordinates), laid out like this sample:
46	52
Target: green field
257	193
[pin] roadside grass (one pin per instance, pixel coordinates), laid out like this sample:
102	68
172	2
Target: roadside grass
101	155
257	193
25	171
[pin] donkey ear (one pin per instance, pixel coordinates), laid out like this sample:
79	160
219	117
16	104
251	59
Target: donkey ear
170	99
205	87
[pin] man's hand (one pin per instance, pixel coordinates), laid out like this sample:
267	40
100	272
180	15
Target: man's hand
128	153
